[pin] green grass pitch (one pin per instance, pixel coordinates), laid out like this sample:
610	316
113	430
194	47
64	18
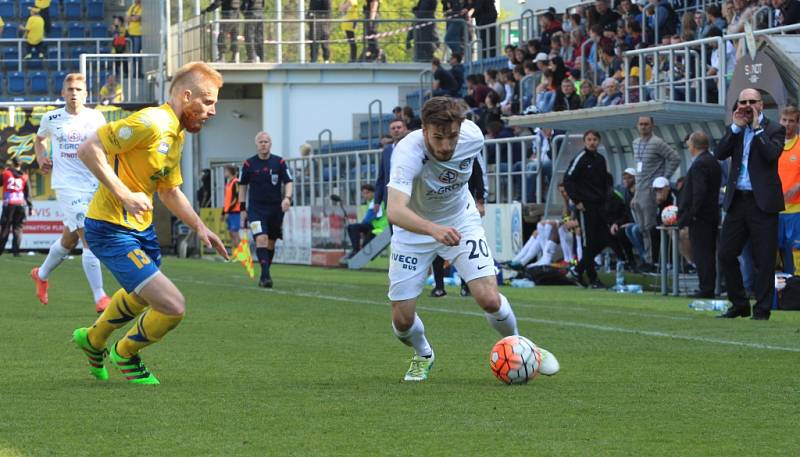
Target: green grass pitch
312	368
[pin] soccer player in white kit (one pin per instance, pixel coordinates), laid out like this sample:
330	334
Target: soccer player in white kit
74	184
433	214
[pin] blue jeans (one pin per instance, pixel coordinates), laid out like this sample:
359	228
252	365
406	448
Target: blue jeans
634	234
136	44
454	36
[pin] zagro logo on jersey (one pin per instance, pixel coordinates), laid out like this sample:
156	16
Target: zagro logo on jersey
408	262
448	177
464	164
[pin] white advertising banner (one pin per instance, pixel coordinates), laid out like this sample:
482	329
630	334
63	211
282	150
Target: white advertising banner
503	226
295	247
42	227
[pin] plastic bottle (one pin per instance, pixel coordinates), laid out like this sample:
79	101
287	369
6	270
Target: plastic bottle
709	305
522	283
633	288
619	282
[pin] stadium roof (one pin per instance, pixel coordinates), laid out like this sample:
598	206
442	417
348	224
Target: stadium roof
621	116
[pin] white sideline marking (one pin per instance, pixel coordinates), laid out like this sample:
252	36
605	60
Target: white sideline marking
602	328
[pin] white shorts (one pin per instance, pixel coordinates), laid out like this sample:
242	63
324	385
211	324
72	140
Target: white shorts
409	262
74	205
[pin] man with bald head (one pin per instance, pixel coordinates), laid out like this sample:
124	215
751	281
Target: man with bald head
753	199
269	181
698	211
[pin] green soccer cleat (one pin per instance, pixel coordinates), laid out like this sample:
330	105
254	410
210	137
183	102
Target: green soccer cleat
132	368
81	339
419	369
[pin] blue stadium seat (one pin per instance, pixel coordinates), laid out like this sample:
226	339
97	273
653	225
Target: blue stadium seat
10	58
58	81
98	30
7	9
23	8
16	83
11	30
72	9
34	63
56	29
39	83
76	30
2	82
105	50
55	10
94	9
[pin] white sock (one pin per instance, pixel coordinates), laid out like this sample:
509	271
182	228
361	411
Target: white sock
55	256
547	253
503	320
91	266
530	250
415	337
580	247
565	240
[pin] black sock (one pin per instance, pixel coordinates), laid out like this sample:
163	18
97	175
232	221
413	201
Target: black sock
438	272
270	255
263	259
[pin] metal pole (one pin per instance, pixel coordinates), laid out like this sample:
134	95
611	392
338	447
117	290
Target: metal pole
180	33
301	8
279	29
676	261
663	260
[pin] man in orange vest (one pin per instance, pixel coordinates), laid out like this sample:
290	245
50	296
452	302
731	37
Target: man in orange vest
230	209
789	171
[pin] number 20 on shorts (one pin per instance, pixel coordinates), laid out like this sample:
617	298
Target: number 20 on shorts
139	258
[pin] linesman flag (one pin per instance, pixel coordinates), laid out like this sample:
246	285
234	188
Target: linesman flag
242	254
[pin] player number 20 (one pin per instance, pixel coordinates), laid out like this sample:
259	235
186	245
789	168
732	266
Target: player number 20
139	258
477	248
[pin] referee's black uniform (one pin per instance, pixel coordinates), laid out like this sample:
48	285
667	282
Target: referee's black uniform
586	181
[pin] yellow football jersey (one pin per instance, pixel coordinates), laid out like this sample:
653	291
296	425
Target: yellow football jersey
144	150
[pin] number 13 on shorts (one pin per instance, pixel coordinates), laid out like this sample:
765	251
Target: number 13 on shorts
139	258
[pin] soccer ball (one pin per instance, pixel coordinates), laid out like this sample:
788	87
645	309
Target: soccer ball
515	360
669	215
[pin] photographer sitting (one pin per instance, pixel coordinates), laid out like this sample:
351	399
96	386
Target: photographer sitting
372	224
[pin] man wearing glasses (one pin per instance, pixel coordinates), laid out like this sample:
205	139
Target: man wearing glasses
753	199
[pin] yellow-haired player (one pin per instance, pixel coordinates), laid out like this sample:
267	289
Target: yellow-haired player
133	158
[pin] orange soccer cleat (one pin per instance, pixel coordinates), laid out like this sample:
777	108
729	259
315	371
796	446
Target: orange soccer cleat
102	304
41	286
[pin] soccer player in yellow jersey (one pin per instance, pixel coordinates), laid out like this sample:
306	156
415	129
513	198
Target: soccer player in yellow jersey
133	158
789	171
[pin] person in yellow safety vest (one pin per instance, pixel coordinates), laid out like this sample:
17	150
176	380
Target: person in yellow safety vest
372	224
231	207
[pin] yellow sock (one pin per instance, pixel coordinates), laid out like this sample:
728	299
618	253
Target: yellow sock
149	328
123	308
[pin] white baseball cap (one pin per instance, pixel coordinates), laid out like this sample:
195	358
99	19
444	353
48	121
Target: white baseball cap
540	57
629	171
660	183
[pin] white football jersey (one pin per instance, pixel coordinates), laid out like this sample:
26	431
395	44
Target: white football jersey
439	191
66	133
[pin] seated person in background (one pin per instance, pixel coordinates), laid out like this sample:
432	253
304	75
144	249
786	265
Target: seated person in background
457	70
372	224
611	94
111	92
476	90
566	98
444	84
617	215
588	98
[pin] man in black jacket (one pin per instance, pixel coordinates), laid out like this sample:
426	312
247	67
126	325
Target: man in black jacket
229	30
566	98
586	184
753	199
398	130
698	210
319	29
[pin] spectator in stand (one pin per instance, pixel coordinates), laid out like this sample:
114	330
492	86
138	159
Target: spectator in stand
653	158
397	111
634	34
560	71
34	34
520	56
716	62
254	30
611	94
586	184
119	42
348	10
556	45
531	69
576	22
787	11
371	9
567	51
714	19
701	27
491	113
789	171
510	104
602	15
545	93
425	37
541	61
577	39
44	11
630	11
663	21
566	98
476	91
698	211
549	25
454	34
227	30
743	11
592	59
728	12
610	63
533	47
443	81
690	28
509	52
588	99
412	121
319	29
493	83
398	130
457	70
111	92
134	20
485	15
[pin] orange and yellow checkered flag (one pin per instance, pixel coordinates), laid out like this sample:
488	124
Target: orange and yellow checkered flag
242	254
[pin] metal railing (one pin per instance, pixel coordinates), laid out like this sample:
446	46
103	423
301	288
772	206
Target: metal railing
664	86
515	171
287	39
138	77
494	37
61	45
584	61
